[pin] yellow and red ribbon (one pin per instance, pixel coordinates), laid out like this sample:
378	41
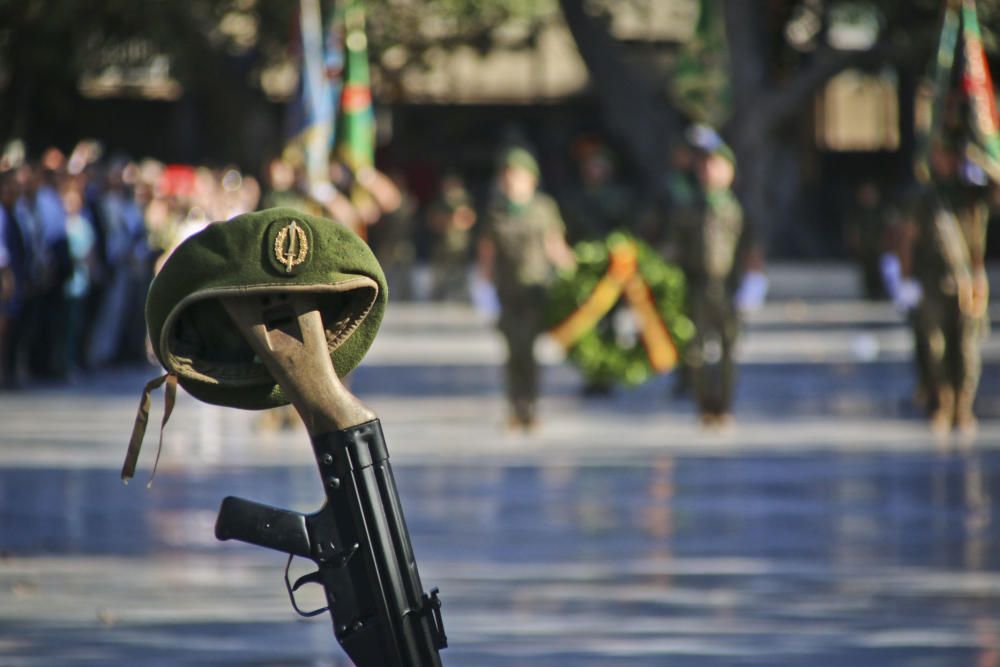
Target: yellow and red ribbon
622	277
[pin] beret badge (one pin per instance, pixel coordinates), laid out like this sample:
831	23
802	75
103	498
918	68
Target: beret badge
289	244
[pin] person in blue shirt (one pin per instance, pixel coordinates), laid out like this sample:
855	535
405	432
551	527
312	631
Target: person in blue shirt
13	280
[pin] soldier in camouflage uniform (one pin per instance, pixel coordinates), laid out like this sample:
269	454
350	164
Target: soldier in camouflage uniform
599	205
866	232
704	240
523	240
942	248
451	219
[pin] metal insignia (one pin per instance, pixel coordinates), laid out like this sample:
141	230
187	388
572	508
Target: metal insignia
291	246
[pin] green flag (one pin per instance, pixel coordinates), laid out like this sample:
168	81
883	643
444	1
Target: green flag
356	134
972	85
984	147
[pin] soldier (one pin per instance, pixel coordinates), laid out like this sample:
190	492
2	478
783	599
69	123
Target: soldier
282	190
942	248
906	294
451	219
866	231
523	241
704	240
600	205
676	190
391	237
287	186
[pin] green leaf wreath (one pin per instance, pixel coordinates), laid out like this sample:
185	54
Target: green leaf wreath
600	352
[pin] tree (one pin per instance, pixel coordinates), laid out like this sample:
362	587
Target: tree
46	46
217	49
771	86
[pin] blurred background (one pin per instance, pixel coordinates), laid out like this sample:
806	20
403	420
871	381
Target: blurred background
787	453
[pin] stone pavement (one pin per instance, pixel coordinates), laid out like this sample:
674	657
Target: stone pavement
827	528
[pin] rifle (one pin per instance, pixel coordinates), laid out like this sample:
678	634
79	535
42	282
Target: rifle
358	539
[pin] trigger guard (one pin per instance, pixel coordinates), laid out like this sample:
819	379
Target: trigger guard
305	579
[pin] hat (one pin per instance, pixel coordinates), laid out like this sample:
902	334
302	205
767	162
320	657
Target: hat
706	140
274	251
519	157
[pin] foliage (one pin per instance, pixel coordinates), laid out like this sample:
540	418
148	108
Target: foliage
217	49
406	34
601	354
222	41
53	40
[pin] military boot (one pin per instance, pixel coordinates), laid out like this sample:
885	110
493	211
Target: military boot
943	415
965	419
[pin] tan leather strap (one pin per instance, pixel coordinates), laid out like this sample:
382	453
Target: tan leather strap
142	419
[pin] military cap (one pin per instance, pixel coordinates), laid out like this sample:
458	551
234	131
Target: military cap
520	157
706	140
270	252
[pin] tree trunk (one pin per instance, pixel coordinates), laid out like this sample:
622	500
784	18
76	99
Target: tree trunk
636	113
762	130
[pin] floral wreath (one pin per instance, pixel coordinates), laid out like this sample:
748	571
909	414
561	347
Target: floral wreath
619	270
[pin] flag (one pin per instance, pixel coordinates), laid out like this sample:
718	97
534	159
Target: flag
962	73
984	149
312	115
333	60
356	132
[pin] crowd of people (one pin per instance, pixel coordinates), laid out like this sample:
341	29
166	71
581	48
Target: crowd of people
80	236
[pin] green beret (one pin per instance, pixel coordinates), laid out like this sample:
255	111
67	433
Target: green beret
519	157
270	252
707	141
725	152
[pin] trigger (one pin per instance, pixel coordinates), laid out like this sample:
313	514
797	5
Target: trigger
311	578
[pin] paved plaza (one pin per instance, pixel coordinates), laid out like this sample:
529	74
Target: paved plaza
827	528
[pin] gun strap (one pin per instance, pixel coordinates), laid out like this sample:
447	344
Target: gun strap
142	419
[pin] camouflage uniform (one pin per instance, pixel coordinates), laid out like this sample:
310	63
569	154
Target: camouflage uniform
522	272
866	231
948	244
392	240
705	238
450	255
594	212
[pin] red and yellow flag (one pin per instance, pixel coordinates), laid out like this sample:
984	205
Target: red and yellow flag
960	32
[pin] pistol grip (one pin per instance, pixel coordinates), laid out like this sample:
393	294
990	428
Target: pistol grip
264	526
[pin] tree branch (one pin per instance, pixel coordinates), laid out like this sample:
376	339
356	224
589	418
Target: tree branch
772	106
635	112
